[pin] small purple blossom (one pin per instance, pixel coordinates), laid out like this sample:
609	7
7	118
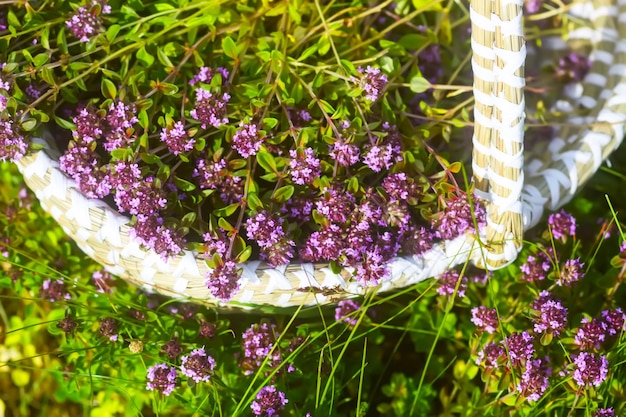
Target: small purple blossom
265	228
562	225
13	145
448	282
536	267
198	365
590	334
345	312
382	156
372	81
216	243
89	125
269	401
535	379
86	21
305	167
210	108
258	347
81	162
223	280
102	280
345	154
54	290
519	347
457	218
614	321
604	412
485	319
373	268
207	329
490	355
590	369
142	197
161	378
551	317
177	139
109	328
247	140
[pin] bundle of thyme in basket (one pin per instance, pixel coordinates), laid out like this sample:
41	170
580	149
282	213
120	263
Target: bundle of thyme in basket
249	129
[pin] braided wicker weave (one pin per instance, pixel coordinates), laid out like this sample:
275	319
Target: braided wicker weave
516	192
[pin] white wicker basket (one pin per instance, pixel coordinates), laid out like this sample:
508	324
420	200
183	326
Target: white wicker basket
517	188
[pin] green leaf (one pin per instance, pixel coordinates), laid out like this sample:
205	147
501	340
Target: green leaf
45	37
112	32
244	255
266	160
163	58
65	124
269	123
226	211
254	202
144	57
223	223
419	84
230	47
184	185
29	124
41	59
308	52
108	88
284	193
149	158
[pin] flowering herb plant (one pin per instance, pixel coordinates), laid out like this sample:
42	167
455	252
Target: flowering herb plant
285	133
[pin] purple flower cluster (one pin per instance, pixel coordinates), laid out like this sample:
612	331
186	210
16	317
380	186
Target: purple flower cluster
258	348
266	229
87	21
172	348
386	153
247	140
13	145
210	108
345	312
590	369
593	332
399	186
536	267
346	154
490	356
372	81
604	412
570	273
535	380
177	138
562	225
520	347
485	319
151	232
83	165
214	175
457	218
198	365
206	74
590	334
162	378
573	67
120	120
551	317
269	401
54	290
447	284
109	328
67	325
305	167
223	280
